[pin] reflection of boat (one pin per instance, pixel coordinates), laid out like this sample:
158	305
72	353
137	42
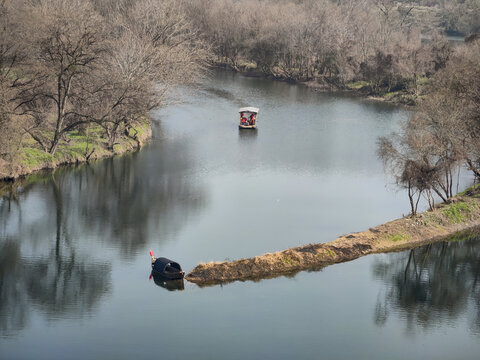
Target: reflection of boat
167	268
247	135
170	285
248	117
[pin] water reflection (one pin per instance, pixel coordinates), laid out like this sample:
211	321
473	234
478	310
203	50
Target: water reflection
247	135
59	231
220	93
119	201
309	174
14	303
170	285
127	199
59	284
39	265
430	286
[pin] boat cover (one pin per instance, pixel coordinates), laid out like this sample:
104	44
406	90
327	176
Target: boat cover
249	109
161	264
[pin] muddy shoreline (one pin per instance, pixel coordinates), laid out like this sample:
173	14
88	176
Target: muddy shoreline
448	222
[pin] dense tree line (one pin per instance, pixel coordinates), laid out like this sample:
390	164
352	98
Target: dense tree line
460	16
333	42
453	16
68	64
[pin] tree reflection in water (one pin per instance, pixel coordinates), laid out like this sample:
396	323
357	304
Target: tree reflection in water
432	285
124	200
58	284
14	303
56	280
53	230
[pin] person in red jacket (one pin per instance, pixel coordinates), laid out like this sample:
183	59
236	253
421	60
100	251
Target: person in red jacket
252	119
243	119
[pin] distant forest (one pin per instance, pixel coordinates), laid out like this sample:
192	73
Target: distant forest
453	16
383	45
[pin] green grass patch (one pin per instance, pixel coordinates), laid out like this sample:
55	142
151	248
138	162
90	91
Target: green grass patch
79	147
358	84
458	212
136	130
289	260
139	129
421	81
76	146
390	95
471	191
464	235
38	177
33	157
248	65
398	237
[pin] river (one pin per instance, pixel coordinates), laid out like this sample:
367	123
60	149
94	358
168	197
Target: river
74	263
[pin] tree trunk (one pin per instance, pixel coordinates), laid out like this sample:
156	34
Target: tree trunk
62	93
410	197
440	194
416	203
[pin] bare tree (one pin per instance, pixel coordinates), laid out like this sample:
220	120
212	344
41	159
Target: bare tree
409	170
151	49
81	67
65	42
10	83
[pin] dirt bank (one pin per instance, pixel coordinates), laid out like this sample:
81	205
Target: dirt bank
447	220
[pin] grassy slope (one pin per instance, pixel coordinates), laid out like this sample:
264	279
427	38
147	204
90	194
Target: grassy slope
75	149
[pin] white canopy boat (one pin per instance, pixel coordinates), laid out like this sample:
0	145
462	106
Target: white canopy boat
248	117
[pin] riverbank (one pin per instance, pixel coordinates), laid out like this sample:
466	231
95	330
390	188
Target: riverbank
362	89
451	221
77	147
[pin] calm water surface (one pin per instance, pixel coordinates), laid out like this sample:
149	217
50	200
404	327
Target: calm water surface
74	265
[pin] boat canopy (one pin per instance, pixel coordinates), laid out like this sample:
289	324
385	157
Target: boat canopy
161	264
249	109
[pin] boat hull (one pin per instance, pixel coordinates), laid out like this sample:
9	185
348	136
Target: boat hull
247	126
169	275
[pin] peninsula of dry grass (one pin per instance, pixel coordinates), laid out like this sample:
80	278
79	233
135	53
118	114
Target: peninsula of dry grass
456	220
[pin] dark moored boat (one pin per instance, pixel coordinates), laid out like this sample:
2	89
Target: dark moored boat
167	268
